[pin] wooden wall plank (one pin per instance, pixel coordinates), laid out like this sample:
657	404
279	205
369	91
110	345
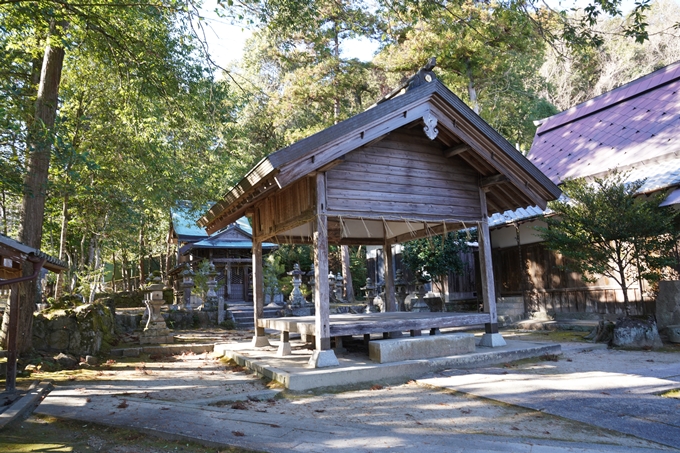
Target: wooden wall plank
404	175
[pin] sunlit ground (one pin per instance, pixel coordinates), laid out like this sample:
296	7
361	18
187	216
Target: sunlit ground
47	434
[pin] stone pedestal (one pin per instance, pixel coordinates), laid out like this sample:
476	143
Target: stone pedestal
492	340
323	359
418	305
156	331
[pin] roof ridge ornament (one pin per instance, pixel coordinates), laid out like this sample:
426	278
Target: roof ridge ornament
422	77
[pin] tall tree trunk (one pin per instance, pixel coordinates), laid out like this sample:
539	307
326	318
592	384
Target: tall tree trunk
168	261
472	90
124	271
113	273
347	274
141	254
4	212
39	144
58	286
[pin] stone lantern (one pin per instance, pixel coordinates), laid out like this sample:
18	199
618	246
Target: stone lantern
310	279
331	287
187	285
339	286
369	294
210	303
401	286
296	298
156	331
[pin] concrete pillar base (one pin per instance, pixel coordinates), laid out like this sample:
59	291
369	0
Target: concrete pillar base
260	342
323	359
492	340
284	350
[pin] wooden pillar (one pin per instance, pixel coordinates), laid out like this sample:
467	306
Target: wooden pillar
260	340
12	332
390	295
486	271
491	337
323	355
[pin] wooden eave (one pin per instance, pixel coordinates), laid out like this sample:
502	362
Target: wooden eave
519	183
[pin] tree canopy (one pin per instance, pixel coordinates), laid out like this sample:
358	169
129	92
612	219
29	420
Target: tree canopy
604	228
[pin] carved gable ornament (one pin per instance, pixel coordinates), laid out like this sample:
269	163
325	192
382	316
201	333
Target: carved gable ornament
430	127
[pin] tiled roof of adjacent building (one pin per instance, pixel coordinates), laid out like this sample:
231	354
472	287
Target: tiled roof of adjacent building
635	126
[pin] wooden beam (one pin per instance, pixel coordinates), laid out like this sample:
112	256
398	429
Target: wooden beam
431	229
490	181
456	150
322	334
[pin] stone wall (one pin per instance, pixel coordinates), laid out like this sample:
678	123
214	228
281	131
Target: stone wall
85	330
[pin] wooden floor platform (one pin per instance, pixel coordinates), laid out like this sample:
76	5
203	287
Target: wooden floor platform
362	324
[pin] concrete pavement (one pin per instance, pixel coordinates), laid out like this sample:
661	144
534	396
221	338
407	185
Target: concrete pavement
192	398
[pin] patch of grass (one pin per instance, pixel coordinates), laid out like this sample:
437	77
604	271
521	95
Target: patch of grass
41	433
671	394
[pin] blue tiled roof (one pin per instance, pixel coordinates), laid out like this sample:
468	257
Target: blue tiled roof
184	224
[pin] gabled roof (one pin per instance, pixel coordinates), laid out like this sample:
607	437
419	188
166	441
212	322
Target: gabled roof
634	127
489	153
238	235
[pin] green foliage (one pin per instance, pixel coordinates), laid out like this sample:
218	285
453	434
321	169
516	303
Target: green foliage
271	271
432	258
201	278
488	53
603	228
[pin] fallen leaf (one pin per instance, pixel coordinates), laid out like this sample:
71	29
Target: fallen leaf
240	405
123	405
514	428
238	433
377	387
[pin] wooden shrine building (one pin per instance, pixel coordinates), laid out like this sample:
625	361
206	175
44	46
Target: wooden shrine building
418	163
229	249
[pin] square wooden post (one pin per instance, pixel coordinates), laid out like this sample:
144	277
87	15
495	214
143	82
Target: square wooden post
323	355
390	296
260	339
491	336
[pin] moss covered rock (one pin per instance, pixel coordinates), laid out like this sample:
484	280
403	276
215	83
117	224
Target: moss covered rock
85	330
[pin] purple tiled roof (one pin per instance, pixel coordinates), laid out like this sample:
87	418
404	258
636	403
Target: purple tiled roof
635	124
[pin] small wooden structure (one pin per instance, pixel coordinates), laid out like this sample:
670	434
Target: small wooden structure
418	163
13	256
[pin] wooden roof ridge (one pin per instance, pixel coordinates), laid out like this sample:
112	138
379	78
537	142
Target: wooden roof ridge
634	88
281	168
